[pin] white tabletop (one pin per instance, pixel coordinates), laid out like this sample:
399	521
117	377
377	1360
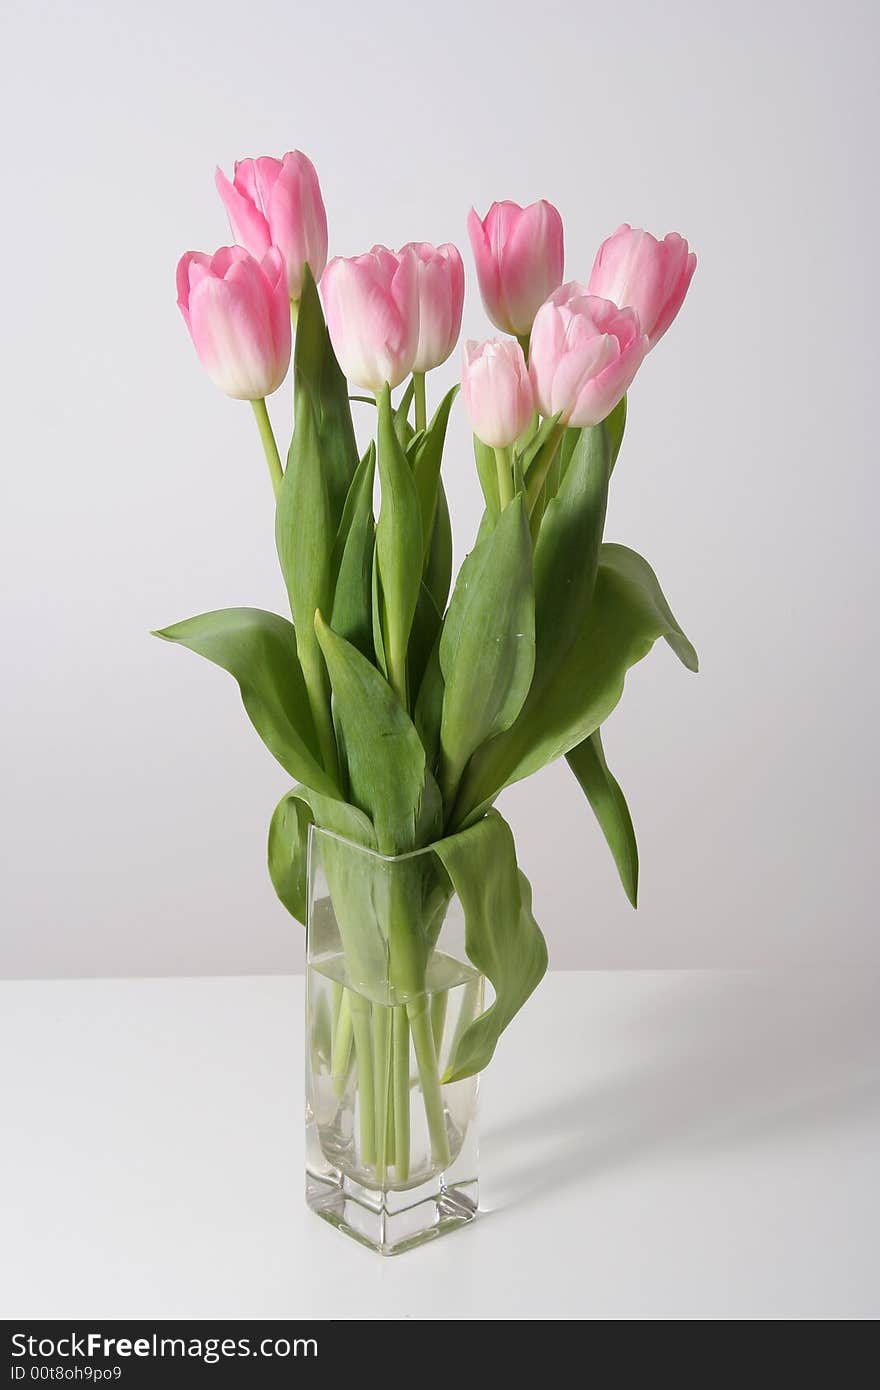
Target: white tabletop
655	1145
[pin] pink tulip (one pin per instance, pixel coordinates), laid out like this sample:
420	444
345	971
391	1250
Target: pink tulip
441	296
583	355
372	308
519	255
277	202
636	271
238	315
496	390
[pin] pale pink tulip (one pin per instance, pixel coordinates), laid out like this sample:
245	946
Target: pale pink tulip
277	202
583	355
238	314
372	308
636	271
519	254
441	297
496	390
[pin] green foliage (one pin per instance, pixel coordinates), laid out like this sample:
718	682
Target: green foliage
614	426
602	790
627	614
304	536
259	650
567	553
438	569
316	370
503	939
398	547
426	457
288	847
352	564
488	476
388	777
288	851
487	648
402	720
426	628
402	426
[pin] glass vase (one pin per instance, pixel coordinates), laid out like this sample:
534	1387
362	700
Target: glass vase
391	1145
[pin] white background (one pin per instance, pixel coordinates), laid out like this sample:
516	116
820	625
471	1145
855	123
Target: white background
135	796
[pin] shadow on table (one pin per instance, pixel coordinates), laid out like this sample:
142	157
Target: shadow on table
722	1060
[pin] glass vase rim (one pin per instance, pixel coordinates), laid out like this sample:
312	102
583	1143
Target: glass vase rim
315	829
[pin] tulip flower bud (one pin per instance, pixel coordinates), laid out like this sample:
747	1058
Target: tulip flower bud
583	355
372	308
238	315
440	277
519	255
277	202
636	271
496	391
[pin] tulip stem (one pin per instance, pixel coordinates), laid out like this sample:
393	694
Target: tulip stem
270	448
541	466
421	403
523	340
505	476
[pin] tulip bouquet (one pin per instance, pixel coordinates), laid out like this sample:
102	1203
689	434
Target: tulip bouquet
400	704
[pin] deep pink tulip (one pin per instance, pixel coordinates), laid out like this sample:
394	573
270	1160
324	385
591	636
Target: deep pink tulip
636	271
277	202
441	297
372	308
583	355
519	254
238	314
496	390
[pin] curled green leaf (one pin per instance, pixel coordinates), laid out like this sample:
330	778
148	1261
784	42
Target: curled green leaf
259	649
602	790
502	938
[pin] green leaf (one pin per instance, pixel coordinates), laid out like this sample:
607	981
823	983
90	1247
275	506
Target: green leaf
487	648
354	505
487	472
377	610
316	367
602	790
438	571
569	440
549	490
288	851
567	554
614	426
426	461
398	545
386	761
535	462
343	819
352	615
402	427
429	708
634	570
531	455
502	938
566	557
259	650
627	615
288	847
304	535
423	638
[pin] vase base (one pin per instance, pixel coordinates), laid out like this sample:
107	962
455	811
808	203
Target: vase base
391	1222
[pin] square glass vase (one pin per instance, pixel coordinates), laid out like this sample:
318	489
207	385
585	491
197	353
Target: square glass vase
391	1144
